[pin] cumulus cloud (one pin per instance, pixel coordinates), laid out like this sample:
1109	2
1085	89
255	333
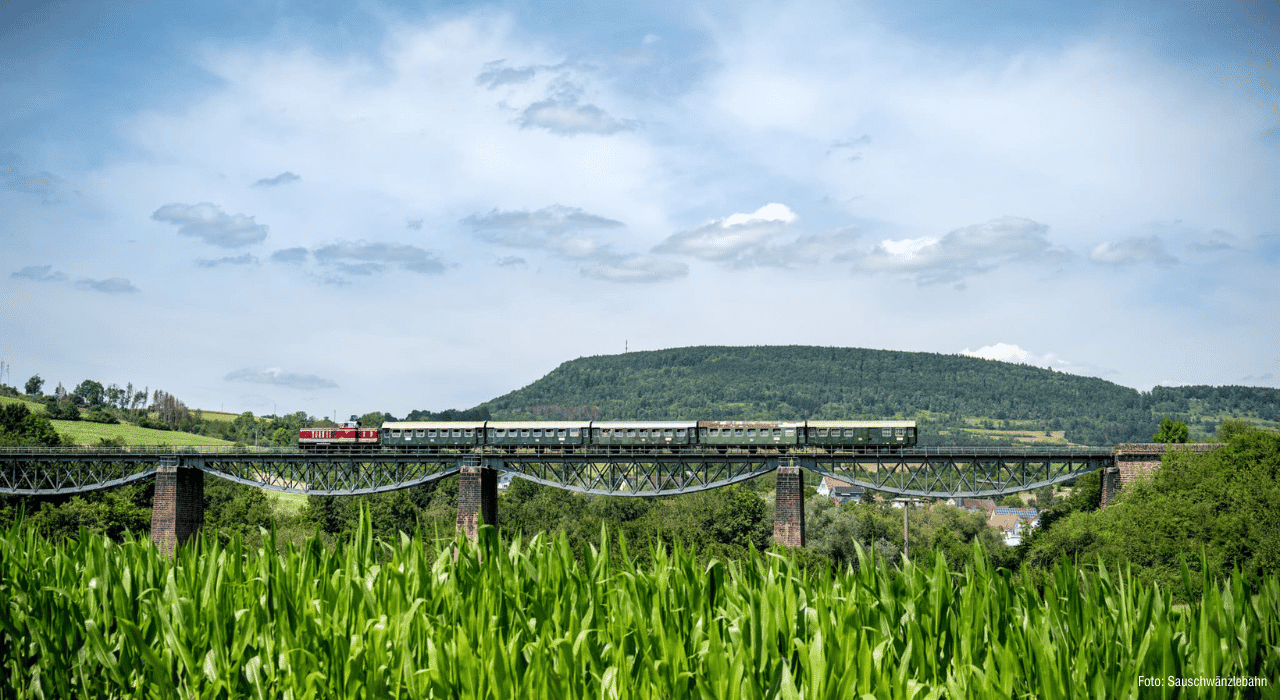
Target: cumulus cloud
496	74
212	225
245	259
39	273
1131	251
558	229
736	237
636	268
283	178
965	251
279	377
373	258
115	285
292	256
1006	352
564	116
15	176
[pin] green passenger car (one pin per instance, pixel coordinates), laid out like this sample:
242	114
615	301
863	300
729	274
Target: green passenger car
540	434
734	432
667	433
877	433
432	433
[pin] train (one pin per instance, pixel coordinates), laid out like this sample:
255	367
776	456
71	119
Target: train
557	436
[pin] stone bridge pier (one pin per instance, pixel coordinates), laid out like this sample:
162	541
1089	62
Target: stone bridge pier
177	512
1138	460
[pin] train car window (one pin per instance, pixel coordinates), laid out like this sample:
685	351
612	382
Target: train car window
395	433
790	432
777	432
524	432
595	432
668	432
562	432
631	432
469	432
431	433
492	432
574	432
457	432
682	433
751	432
886	432
822	432
900	432
537	432
911	432
703	432
737	432
420	432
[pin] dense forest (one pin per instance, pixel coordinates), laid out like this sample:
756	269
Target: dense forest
801	382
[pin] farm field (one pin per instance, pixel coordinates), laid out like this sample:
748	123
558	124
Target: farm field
532	620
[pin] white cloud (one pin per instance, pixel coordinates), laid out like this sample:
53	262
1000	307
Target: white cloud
114	285
1006	352
1131	251
736	236
212	225
283	178
558	229
279	377
636	268
372	258
965	251
245	259
39	273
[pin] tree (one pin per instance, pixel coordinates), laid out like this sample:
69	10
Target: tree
34	385
1171	431
89	394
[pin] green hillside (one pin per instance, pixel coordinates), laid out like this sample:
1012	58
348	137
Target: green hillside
958	399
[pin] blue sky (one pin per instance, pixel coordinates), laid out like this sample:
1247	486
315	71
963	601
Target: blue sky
381	206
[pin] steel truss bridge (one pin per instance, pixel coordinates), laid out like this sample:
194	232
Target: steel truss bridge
919	471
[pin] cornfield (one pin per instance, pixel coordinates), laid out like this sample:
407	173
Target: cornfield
95	619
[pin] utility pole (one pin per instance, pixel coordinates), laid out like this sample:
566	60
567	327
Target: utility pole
906	534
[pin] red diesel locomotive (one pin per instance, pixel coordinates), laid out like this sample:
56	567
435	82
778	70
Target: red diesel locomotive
347	436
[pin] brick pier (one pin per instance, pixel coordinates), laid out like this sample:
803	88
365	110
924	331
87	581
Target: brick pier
1138	460
788	518
477	499
177	512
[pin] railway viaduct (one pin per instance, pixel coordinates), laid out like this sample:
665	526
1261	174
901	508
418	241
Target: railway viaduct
178	510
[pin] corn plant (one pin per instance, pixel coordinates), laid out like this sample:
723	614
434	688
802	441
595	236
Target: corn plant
412	619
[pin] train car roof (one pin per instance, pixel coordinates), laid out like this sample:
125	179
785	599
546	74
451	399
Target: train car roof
648	424
520	424
750	424
862	424
415	425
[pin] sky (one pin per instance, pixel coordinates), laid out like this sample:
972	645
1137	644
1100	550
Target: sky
379	206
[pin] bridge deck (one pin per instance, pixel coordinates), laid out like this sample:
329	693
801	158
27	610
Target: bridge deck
922	471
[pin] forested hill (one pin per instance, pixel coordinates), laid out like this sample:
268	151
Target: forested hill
801	382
